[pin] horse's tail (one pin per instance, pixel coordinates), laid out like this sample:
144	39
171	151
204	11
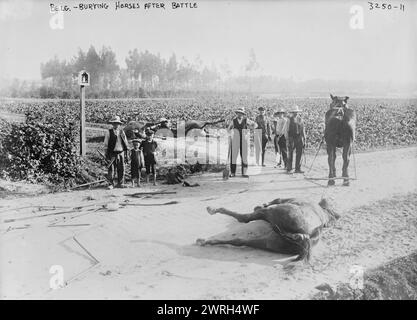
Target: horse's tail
303	242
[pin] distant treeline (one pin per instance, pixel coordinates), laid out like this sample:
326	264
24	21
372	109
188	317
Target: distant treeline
145	73
149	75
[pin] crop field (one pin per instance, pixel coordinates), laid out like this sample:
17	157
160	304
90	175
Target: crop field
39	144
382	123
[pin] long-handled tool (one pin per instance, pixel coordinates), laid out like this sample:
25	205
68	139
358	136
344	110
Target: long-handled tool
318	150
108	163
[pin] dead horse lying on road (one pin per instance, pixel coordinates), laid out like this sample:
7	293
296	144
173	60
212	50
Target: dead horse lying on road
293	226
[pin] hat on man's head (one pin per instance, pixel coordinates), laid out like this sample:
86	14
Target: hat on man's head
136	140
296	109
149	132
240	110
163	119
115	119
261	109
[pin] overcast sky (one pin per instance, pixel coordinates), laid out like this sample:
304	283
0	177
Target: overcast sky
299	39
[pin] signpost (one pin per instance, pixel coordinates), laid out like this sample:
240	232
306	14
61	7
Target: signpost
83	81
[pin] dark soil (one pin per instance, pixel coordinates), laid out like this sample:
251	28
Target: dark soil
396	280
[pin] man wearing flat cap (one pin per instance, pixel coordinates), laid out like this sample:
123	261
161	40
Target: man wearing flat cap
263	135
295	137
116	146
240	141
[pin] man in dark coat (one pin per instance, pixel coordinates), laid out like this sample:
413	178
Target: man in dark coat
116	146
295	137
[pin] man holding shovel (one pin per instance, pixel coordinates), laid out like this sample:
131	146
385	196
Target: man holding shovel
116	146
239	130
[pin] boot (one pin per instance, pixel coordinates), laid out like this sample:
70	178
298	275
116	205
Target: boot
233	170
244	172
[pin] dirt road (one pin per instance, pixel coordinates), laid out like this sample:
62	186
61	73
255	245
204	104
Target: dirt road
148	252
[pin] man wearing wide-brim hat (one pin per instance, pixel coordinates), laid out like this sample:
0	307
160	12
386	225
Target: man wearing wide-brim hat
295	137
116	146
240	141
278	129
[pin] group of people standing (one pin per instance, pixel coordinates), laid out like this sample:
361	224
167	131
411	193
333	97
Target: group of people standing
117	153
288	134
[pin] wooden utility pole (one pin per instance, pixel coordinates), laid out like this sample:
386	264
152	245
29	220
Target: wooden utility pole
83	81
82	121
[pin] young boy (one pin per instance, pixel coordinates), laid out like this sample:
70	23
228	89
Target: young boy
149	147
136	162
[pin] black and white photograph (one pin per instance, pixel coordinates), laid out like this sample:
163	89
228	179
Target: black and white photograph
208	151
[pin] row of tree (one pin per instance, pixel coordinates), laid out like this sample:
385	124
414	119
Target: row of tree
145	72
149	75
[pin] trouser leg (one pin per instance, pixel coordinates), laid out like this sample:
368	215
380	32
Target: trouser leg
298	153
283	148
264	142
236	142
153	173
244	154
258	145
276	144
112	169
290	153
110	173
120	168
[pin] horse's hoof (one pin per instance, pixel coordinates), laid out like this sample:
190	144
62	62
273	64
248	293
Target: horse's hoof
330	183
346	183
200	242
211	210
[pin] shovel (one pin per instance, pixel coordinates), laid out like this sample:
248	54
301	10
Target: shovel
108	163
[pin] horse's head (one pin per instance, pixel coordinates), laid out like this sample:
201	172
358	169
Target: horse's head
338	106
328	206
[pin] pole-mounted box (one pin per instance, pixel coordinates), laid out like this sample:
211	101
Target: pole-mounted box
84	78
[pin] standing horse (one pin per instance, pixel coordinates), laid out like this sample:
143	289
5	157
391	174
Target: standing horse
339	132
